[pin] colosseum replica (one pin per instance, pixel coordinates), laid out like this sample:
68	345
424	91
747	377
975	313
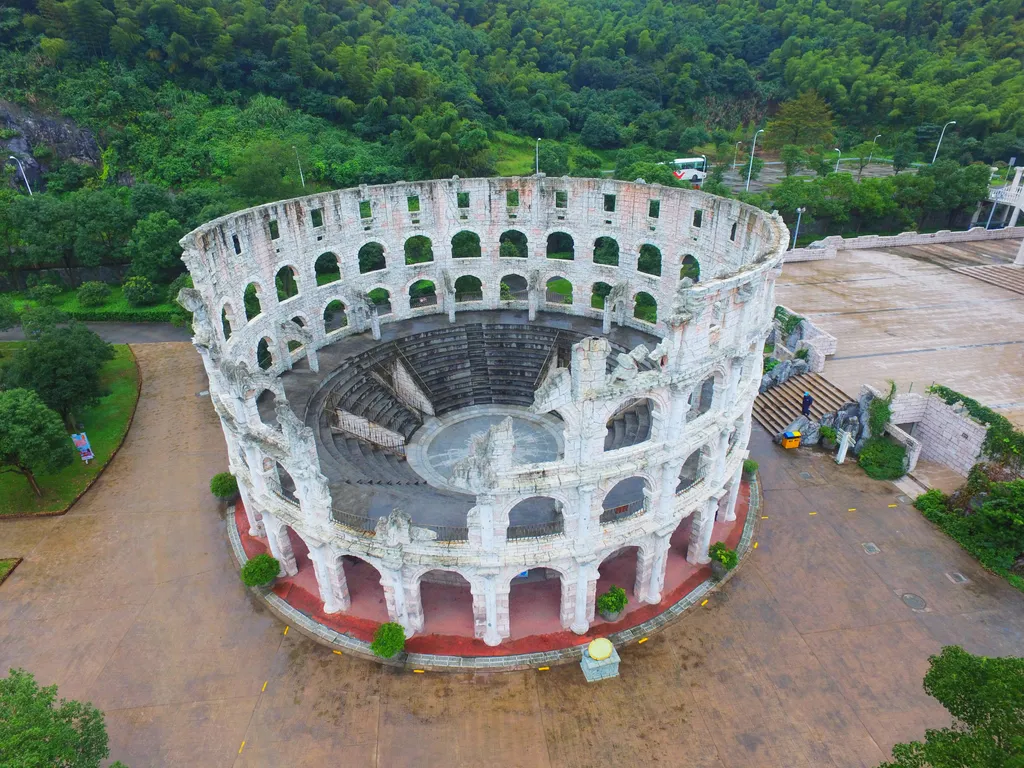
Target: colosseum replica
461	404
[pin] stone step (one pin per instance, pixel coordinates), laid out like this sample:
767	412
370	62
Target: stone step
779	407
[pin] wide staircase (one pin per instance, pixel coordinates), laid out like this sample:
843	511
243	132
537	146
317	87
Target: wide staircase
779	407
629	426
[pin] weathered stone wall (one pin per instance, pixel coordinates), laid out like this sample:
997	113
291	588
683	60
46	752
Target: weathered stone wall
830	246
948	435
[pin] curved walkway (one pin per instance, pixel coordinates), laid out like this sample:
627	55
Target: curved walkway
808	657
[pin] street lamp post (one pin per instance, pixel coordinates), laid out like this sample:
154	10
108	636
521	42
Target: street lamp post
23	176
840	157
753	146
796	232
301	177
995	204
736	154
951	122
872	152
537	158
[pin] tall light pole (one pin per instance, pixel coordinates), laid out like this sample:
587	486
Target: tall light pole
301	177
796	232
537	158
840	157
753	146
951	122
735	154
23	176
872	152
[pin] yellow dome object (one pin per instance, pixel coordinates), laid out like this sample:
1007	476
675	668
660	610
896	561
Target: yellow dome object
600	649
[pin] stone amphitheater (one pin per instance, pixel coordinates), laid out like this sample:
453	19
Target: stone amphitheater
495	383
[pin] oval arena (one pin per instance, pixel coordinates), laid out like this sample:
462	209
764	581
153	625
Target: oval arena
471	405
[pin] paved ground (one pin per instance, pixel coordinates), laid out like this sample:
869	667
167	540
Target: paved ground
123	333
904	314
774	172
807	658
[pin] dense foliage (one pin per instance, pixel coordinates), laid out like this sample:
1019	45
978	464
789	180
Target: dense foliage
727	557
223	485
883	458
1003	441
612	601
32	437
985	697
259	570
388	640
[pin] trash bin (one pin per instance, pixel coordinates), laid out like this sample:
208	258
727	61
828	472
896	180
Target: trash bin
791	439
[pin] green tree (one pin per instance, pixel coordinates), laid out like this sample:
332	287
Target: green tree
265	171
802	121
600	132
32	440
793	158
8	316
63	367
586	164
862	152
985	697
154	249
554	158
38	731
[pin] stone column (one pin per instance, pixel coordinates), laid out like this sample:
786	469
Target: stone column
701	530
490	612
1019	261
531	299
650	568
280	544
403	599
255	518
606	318
728	513
669	480
312	358
718	465
375	323
586	594
330	578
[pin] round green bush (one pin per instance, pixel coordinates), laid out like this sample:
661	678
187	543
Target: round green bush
93	294
140	292
612	601
749	467
727	557
388	640
44	294
260	570
224	485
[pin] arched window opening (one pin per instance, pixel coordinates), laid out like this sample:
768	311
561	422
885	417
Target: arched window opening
705	396
606	251
645	308
559	291
381	300
693	470
630	425
690	268
599	292
418	250
422	294
365	589
514	288
287	484
287	283
263	357
536	516
371	258
226	319
535	603
447	601
466	245
650	260
619	569
251	299
266	406
561	246
334	316
469	288
625	499
327	268
512	245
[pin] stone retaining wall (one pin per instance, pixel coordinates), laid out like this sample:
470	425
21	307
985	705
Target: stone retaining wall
948	435
830	246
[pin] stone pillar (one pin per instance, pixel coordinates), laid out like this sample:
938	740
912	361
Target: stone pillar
586	595
1019	261
1014	215
584	515
606	318
650	568
490	610
531	300
403	599
312	358
669	480
718	465
701	530
280	544
374	323
330	578
449	304
728	513
255	518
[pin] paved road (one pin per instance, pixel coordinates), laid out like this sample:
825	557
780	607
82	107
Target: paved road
808	658
123	333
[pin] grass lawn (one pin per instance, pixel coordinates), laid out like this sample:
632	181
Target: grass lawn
6	566
515	154
105	424
116	308
560	285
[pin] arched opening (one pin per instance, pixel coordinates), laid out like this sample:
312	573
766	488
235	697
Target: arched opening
469	288
598	293
625	499
645	307
263	357
690	268
422	294
535	603
512	245
381	300
287	485
365	589
287	283
418	250
514	288
447	601
294	344
630	425
558	291
266	406
371	258
466	245
536	516
561	246
334	316
618	569
693	470
606	251
226	321
650	260
701	400
327	268
251	299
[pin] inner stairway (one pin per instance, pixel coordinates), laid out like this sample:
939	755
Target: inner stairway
779	407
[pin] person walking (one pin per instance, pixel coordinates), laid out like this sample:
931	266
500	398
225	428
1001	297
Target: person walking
805	405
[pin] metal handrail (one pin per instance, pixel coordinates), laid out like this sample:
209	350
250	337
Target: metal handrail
547	359
621	512
450	533
536	530
701	473
412	371
359	523
391	444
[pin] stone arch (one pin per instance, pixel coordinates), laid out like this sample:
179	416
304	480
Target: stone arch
418	250
514	288
422	293
619	569
287	484
334	316
371	257
364	588
645	307
536	516
598	293
649	261
704	396
468	288
561	246
266	407
264	358
327	268
630	424
466	245
558	290
606	251
287	282
535	599
626	498
689	267
513	245
252	301
446	597
380	297
694	469
227	320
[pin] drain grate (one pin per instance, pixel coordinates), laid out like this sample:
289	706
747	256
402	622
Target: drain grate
914	602
957	578
870	548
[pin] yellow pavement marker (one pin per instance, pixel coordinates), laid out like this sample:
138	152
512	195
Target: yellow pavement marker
705	601
241	748
286	630
755	545
642	640
812	513
764	517
338	652
852	509
893	506
543	669
418	671
264	686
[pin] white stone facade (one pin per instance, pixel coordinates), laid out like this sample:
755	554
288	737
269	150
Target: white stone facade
713	329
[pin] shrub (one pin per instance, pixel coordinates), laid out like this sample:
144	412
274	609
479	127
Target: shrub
260	570
883	459
749	466
140	292
1003	441
769	364
787	321
827	433
223	485
801	354
388	640
93	294
612	601
727	557
44	294
181	281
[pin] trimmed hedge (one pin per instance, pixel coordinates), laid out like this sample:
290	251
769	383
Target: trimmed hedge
883	459
388	640
223	485
260	570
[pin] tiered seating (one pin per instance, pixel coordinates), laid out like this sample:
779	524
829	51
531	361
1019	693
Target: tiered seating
629	426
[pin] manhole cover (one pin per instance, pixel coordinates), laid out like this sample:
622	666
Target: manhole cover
957	578
914	602
870	548
805	475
